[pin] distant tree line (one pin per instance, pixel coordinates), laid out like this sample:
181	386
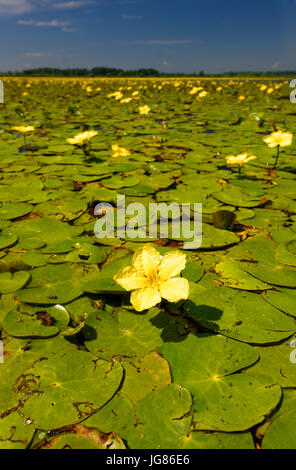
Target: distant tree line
146	72
78	72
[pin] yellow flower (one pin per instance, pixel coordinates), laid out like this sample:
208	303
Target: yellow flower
241	98
239	160
118	95
125	100
269	91
80	138
219	88
144	109
278	138
119	151
135	93
89	89
195	89
152	277
24	130
202	94
263	87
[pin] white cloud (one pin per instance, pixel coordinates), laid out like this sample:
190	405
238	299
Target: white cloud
15	7
18	7
37	55
45	24
71	5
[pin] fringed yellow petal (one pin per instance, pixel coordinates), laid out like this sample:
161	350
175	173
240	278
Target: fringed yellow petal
174	289
129	278
143	299
172	264
146	260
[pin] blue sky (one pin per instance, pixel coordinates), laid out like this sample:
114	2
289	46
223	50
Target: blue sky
169	35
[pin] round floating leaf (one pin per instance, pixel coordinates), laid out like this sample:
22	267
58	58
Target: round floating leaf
13	282
86	253
51	285
65	389
125	334
12	210
230	274
7	239
222	400
280	427
236	197
275	274
21	324
216	238
160	420
240	315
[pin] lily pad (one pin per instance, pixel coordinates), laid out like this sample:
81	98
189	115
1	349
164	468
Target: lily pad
218	393
13	282
231	275
63	390
51	285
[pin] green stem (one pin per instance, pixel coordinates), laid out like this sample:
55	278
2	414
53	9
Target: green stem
25	140
277	156
239	171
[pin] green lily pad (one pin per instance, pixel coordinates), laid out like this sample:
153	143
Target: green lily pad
51	285
162	418
64	390
7	239
21	324
218	393
280	427
124	334
231	275
11	211
239	315
13	282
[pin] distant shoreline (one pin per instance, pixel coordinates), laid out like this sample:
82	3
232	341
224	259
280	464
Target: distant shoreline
105	72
